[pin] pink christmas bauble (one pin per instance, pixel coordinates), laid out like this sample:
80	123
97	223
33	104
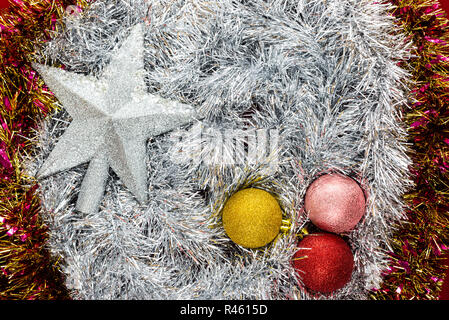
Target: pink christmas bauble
335	203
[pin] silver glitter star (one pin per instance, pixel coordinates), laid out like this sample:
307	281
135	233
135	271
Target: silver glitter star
113	117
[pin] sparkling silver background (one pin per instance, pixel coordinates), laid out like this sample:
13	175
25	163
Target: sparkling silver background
324	73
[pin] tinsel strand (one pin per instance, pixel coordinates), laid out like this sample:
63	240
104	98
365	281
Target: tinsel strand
415	270
27	269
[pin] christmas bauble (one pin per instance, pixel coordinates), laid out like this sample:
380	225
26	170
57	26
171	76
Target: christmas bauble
335	203
252	218
324	262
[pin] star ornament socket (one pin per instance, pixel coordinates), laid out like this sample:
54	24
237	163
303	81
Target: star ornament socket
113	117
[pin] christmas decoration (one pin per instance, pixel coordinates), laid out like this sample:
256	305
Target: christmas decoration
312	91
333	93
252	218
113	118
335	203
29	270
416	269
324	262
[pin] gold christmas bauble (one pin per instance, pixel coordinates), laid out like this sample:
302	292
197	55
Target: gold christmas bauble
252	218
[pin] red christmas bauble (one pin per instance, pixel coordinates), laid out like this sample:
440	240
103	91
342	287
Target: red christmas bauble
324	262
335	203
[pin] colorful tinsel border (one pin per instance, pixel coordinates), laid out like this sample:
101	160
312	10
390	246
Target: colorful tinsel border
28	271
416	269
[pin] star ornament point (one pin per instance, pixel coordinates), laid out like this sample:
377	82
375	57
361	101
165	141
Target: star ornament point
112	119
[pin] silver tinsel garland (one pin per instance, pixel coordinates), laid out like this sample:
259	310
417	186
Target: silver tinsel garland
322	75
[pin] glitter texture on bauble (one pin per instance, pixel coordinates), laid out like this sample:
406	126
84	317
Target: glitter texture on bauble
252	218
324	262
335	203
